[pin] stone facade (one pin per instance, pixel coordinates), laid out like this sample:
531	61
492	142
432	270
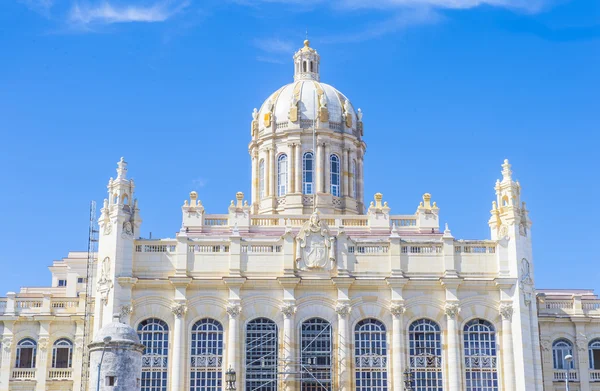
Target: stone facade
315	293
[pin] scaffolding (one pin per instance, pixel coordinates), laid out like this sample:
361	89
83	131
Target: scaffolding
89	300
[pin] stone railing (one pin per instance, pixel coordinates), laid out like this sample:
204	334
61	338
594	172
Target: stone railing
47	305
574	305
561	375
155	246
23	374
60	374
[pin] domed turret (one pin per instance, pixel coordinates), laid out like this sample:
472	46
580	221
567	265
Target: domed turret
307	149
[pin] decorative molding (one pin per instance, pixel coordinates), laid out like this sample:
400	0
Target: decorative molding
582	344
7	343
79	344
315	248
288	310
105	283
234	310
125	310
397	309
506	311
451	310
179	310
127	230
343	309
42	343
546	345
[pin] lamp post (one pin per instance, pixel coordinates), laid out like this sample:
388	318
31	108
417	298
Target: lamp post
106	340
230	379
408	379
568	359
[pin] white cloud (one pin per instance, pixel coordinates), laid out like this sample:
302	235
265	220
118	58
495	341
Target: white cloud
526	5
105	13
274	45
40	6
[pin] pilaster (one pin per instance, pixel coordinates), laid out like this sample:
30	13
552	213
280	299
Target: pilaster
8	346
41	360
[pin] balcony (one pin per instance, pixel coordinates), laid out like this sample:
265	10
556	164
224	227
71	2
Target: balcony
60	374
23	374
594	374
561	375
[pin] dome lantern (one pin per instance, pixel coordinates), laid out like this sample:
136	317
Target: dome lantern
306	63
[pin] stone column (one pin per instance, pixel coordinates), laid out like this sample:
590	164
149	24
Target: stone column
348	173
344	174
288	310
177	365
272	173
291	177
41	359
583	365
508	357
327	170
319	169
233	310
7	358
344	365
255	175
298	188
397	309
454	371
359	179
78	349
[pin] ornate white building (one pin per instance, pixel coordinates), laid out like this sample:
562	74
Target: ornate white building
304	288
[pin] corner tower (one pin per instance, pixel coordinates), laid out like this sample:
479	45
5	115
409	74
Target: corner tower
119	222
307	149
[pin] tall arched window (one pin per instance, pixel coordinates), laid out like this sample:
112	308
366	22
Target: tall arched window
315	348
560	349
62	353
154	335
334	170
261	179
354	179
481	373
261	355
308	171
26	349
594	350
206	361
282	169
425	350
370	355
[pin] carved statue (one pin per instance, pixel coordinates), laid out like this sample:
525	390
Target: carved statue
323	100
255	114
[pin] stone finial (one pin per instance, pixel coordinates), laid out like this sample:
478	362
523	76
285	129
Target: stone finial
359	114
122	169
427	201
378	198
506	171
239	196
193	198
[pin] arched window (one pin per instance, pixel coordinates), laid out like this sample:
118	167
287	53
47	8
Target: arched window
560	349
26	349
308	171
334	170
261	179
304	66
481	373
370	354
354	179
311	66
425	351
261	355
315	357
206	361
154	335
282	169
62	353
594	350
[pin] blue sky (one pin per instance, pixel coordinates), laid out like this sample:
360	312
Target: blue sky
449	88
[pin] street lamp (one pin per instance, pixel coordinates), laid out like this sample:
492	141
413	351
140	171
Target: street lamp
230	379
106	340
408	379
568	359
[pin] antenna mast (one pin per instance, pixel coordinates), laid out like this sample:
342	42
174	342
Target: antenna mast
89	301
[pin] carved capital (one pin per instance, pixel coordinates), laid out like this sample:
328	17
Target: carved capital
582	344
179	310
234	309
397	309
7	343
288	310
451	310
343	309
42	343
126	310
79	344
506	311
546	345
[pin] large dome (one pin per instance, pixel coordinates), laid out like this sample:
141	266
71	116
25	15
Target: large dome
307	93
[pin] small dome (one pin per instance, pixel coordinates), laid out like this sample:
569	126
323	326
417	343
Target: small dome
307	93
118	332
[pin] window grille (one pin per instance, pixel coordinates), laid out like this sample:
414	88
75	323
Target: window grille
315	343
334	170
370	356
308	170
261	355
154	335
282	168
481	373
62	353
425	351
561	348
206	359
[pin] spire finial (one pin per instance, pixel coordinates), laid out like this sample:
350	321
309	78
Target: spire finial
121	169
506	171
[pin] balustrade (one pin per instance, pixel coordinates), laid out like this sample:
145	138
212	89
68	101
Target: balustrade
594	374
60	374
561	375
23	374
